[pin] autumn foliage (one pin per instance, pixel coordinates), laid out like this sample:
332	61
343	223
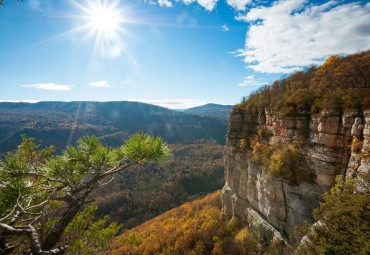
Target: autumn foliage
150	189
196	227
343	221
340	84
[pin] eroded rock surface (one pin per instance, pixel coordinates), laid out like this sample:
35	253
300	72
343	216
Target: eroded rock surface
334	145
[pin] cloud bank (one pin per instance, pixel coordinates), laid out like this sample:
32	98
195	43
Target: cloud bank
49	86
286	35
290	34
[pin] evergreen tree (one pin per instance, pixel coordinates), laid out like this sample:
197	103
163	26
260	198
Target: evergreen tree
41	194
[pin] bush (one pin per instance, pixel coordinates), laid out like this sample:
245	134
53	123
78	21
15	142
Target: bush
344	217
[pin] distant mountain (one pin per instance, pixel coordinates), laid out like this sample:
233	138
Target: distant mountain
62	123
217	110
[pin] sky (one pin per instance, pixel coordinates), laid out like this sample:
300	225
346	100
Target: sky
173	53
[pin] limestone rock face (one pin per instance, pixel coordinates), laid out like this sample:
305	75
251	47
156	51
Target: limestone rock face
335	144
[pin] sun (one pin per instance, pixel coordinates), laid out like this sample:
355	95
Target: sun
102	22
103	19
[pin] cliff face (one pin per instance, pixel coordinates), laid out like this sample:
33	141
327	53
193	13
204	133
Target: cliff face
334	144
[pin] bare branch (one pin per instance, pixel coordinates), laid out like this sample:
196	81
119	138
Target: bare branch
13	230
103	184
42	203
30	231
29	202
11	212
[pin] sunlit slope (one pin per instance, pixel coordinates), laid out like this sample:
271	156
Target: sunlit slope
197	227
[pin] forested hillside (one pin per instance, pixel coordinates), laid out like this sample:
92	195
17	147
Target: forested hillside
217	110
144	191
62	123
197	227
341	84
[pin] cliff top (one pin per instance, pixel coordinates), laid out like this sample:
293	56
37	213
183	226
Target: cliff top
341	84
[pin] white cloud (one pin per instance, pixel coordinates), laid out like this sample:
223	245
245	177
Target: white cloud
291	34
239	5
20	101
206	4
187	2
49	86
165	3
224	28
102	84
175	104
251	81
152	2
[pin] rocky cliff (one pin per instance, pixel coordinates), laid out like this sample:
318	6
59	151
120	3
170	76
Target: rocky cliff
330	144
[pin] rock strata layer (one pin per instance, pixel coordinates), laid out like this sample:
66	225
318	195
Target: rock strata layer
335	144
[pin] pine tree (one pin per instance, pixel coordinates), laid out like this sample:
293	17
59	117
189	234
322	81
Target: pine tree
41	194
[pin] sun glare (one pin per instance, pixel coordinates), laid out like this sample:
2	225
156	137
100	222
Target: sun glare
104	19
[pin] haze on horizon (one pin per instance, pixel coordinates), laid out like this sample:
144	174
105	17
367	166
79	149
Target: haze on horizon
176	54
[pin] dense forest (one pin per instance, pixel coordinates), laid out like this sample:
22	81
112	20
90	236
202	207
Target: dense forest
144	191
198	228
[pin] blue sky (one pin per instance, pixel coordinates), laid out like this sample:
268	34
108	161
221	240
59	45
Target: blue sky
176	54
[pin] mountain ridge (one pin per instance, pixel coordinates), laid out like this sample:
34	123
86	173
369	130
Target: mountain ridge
112	122
211	109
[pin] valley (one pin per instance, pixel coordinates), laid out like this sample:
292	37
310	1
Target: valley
290	151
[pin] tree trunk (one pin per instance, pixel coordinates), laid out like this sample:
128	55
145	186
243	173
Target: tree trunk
57	230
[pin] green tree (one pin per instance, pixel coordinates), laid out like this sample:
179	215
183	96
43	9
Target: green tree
85	236
41	194
343	225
